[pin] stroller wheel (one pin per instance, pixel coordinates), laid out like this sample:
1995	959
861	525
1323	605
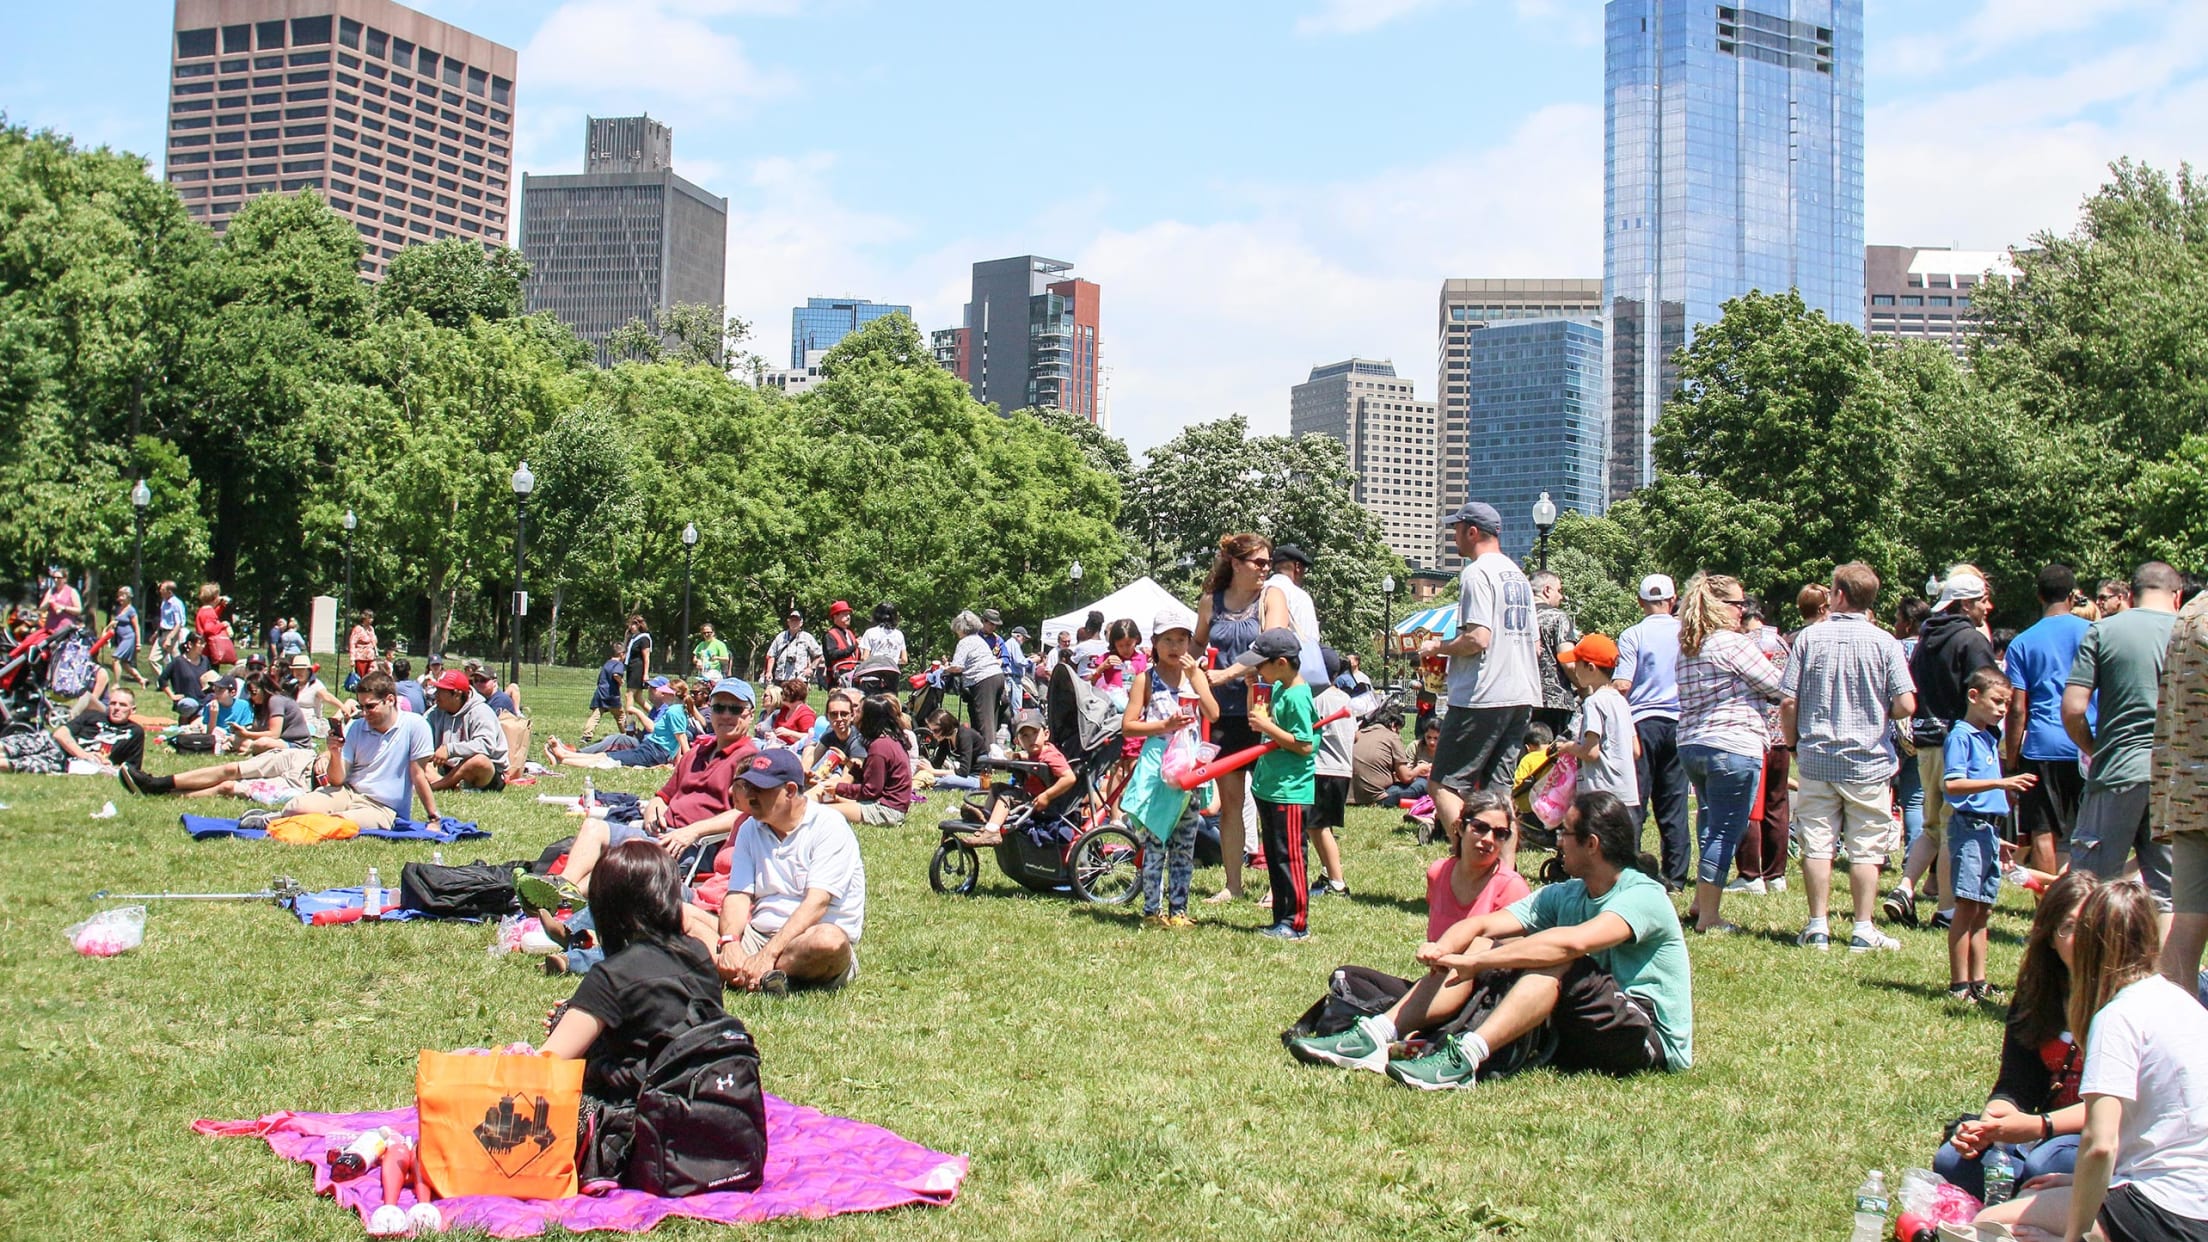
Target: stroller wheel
955	868
1107	866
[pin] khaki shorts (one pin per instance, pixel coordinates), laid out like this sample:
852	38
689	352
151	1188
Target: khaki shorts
293	765
880	816
1854	815
755	940
2189	872
1932	774
357	807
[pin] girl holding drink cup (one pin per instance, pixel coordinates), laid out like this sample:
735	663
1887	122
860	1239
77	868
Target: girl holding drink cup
1164	705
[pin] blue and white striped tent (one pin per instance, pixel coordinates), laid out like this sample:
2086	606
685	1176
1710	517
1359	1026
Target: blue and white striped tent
1441	621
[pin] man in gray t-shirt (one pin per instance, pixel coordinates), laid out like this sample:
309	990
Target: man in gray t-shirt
1494	683
2120	661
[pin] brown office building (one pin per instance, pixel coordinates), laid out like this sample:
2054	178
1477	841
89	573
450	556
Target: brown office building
403	123
1923	293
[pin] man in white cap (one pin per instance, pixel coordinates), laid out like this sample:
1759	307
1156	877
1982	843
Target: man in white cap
1951	645
1494	678
1648	676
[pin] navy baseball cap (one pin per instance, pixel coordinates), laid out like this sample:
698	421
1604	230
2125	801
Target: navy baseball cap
1478	513
772	769
1277	643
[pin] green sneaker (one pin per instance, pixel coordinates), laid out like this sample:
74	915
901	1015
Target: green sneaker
1354	1048
547	895
1446	1068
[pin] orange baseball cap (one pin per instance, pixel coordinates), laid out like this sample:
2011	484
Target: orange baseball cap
1596	649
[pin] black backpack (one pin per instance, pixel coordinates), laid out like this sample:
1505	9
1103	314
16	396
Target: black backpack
1354	992
700	1122
478	890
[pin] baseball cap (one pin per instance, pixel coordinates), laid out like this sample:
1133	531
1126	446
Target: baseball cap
658	683
1019	631
1959	587
1028	718
793	613
1277	643
453	680
1172	617
1476	512
1596	649
771	769
226	683
838	606
992	616
735	688
1656	588
1291	553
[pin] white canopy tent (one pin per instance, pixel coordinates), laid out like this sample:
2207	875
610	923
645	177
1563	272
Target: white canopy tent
1138	601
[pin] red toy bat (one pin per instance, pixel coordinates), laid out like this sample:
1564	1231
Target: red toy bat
1243	758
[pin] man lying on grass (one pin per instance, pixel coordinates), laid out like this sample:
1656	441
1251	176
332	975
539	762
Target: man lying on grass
1591	973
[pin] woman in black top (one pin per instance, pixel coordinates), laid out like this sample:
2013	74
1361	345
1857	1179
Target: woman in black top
2034	1108
656	982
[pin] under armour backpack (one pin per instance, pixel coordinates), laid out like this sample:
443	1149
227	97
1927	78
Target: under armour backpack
701	1122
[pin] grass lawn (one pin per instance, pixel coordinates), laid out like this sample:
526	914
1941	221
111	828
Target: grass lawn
1107	1081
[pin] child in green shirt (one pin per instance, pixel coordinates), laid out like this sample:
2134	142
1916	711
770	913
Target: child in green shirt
1284	778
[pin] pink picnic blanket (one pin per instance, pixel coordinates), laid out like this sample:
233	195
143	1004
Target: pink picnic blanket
817	1166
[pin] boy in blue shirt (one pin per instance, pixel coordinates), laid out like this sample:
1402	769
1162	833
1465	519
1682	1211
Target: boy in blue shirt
1978	800
1284	779
607	697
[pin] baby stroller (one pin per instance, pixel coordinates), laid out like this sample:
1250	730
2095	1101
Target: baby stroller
1073	844
44	657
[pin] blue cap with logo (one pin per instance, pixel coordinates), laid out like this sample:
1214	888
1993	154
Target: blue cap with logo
772	769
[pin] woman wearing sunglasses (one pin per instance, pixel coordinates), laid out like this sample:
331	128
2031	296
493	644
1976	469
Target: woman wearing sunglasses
1725	685
1227	621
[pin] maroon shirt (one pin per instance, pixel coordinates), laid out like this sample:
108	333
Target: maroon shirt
699	788
886	777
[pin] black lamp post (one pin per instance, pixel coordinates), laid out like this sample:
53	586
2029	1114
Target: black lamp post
352	523
140	497
1387	629
523	483
1544	519
689	549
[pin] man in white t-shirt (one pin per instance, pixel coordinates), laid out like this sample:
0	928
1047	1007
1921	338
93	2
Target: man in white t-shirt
1290	564
796	904
1494	677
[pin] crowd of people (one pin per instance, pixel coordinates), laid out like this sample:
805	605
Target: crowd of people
1953	757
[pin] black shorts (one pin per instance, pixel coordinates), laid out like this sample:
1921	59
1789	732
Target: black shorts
636	674
2051	806
1329	796
1479	748
1599	1028
2129	1216
1233	733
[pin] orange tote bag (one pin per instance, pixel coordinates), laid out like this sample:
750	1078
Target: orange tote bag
498	1125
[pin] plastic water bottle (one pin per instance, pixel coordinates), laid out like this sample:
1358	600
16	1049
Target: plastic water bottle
374	894
437	858
590	797
2000	1169
1870	1208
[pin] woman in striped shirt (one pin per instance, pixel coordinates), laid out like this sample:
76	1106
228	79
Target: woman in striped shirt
1725	683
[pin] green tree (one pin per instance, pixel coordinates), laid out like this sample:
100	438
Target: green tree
1602	561
453	280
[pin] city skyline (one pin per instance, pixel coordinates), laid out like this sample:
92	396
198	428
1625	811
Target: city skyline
1985	122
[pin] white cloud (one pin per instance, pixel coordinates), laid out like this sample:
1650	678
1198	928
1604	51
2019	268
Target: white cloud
1356	16
1997	26
648	52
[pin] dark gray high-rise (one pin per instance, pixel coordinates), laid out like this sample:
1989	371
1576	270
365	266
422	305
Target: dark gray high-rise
1031	337
624	239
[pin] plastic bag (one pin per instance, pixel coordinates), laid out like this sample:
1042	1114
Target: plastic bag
510	931
1935	1200
1552	795
110	932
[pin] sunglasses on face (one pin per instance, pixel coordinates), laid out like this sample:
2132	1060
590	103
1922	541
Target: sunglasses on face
369	705
1737	603
730	709
1500	832
1258	562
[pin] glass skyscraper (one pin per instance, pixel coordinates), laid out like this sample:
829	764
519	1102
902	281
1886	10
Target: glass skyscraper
1733	162
1533	411
816	326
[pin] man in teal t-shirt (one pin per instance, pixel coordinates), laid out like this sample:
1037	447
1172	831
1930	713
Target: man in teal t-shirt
1595	966
1284	778
2120	661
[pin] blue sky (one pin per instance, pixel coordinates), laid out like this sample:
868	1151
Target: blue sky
1258	187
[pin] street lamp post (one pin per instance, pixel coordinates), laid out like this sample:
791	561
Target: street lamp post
1387	627
140	497
1544	520
689	549
352	523
523	483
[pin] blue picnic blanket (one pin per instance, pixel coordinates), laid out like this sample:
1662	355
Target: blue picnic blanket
307	905
446	830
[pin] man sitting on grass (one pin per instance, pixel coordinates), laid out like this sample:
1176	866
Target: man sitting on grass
471	748
796	903
1592	971
378	765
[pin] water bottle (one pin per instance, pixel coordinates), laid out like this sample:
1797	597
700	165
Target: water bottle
590	797
436	858
2000	1169
1870	1208
373	906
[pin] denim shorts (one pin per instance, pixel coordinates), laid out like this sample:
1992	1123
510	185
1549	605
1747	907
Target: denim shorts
1974	857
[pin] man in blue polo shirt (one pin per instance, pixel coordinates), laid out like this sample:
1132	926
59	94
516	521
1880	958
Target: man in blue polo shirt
1648	676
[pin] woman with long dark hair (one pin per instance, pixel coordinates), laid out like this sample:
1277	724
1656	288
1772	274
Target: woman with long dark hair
2034	1111
2142	1165
657	980
1724	685
1227	622
883	792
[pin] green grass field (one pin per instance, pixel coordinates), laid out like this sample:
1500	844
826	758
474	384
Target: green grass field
1108	1081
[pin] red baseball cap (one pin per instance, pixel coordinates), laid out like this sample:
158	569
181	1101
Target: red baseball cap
453	680
838	606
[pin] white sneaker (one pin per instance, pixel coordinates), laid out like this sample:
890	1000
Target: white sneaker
536	944
1746	886
1876	942
1776	884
